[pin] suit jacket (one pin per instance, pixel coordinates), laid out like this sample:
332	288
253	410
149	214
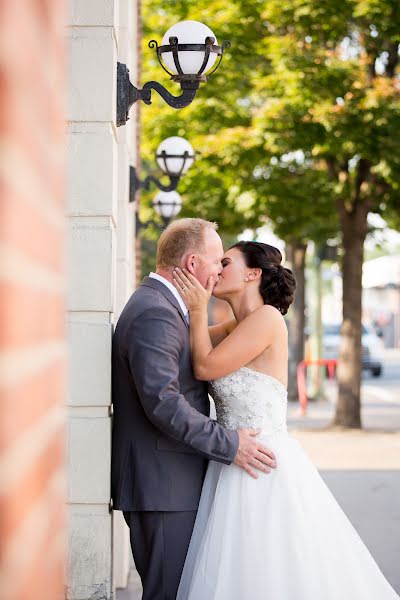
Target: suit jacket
162	434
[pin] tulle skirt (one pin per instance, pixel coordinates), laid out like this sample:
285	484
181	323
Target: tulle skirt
280	537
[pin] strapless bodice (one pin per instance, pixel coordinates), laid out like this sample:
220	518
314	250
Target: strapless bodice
248	398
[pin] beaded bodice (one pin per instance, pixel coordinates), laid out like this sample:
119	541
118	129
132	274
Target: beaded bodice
248	398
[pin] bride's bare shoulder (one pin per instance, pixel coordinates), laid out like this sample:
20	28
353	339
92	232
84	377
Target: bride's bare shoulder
270	319
269	314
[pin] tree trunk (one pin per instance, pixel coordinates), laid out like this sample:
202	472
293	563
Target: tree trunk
354	230
296	254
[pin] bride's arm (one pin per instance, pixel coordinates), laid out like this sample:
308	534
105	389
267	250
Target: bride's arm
220	331
247	340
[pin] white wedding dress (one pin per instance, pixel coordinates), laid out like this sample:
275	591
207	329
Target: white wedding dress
279	537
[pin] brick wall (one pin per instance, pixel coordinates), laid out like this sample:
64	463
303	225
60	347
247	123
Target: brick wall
32	287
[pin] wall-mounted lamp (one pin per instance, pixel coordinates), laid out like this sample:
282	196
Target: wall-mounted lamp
189	50
167	205
174	156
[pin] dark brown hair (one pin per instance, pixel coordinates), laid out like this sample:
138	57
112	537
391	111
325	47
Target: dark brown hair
277	285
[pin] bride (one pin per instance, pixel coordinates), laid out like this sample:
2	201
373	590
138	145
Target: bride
279	536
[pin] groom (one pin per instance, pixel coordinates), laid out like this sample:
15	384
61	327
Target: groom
162	434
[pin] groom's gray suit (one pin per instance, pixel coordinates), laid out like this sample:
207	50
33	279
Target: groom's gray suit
162	435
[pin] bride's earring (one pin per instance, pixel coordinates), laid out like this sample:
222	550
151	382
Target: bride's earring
246	279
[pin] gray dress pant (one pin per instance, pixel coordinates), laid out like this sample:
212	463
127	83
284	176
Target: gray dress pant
159	542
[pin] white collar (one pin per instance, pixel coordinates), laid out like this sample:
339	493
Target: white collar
173	290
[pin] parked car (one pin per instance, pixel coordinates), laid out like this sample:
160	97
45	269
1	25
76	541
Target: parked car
371	347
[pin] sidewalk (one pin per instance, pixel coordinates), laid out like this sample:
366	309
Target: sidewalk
134	589
362	469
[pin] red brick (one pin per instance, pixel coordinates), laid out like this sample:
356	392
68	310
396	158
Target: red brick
16	503
32	74
48	565
29	400
26	323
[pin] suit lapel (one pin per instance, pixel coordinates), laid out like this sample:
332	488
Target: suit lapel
160	287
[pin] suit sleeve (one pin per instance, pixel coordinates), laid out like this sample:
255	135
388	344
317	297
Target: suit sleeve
153	348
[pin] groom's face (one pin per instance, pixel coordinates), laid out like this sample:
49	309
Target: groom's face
208	262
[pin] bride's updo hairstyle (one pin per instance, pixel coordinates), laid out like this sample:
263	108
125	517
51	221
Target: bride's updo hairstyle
278	284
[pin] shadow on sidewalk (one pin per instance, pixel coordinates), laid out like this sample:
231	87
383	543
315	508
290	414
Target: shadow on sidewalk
134	589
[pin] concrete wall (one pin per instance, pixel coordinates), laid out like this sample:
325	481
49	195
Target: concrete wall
100	33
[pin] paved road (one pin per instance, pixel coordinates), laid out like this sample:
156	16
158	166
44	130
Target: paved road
362	469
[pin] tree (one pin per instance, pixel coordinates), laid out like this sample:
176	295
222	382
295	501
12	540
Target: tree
334	92
227	182
215	123
301	125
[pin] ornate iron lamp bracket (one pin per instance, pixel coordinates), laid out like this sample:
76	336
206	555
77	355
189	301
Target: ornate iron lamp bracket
128	94
135	183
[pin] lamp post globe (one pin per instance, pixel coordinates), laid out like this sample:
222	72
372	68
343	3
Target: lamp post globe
189	32
175	155
167	205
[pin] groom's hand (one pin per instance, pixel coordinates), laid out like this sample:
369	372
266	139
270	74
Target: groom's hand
252	454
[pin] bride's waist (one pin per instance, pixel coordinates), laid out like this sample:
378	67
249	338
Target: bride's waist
266	429
273	431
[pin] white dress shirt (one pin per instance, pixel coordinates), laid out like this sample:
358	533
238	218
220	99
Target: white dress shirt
173	291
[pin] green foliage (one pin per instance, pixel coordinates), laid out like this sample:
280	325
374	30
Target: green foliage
215	123
303	114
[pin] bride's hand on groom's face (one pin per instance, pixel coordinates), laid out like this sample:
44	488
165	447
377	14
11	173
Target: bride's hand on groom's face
195	296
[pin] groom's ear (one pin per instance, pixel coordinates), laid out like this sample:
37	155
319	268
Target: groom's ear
190	263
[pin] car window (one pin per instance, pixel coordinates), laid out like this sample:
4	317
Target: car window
332	330
335	330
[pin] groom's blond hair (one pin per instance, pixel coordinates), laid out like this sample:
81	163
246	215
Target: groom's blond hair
181	237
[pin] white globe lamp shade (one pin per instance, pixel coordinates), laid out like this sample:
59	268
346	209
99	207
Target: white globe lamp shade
174	160
189	32
167	204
